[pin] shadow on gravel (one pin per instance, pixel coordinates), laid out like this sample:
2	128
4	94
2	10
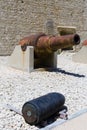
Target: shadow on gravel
59	70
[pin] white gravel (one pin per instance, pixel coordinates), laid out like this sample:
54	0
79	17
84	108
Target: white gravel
17	87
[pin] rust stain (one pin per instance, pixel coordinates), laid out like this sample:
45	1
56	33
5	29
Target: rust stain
84	43
49	43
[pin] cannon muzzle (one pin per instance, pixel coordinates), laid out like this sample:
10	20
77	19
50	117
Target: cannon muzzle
49	43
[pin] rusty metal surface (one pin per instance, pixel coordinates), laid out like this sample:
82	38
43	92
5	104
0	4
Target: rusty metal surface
49	43
30	40
84	43
58	42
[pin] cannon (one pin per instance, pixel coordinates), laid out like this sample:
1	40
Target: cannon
49	43
45	109
45	47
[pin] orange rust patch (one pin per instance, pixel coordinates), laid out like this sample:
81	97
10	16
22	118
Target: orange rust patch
84	43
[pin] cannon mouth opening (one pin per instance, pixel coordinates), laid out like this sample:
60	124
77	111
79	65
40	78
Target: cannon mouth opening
76	39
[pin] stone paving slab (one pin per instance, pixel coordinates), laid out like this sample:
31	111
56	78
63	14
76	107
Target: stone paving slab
78	121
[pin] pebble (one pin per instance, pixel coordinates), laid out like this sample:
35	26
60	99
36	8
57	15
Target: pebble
17	87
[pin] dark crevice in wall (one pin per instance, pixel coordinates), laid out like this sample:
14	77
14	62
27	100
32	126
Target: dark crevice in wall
22	1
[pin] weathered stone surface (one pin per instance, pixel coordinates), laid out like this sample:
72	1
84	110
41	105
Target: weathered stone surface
81	56
66	30
19	18
22	60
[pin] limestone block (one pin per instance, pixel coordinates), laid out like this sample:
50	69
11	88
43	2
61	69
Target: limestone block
81	56
65	30
22	60
55	60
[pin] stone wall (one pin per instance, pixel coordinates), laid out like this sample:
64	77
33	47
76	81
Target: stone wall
19	18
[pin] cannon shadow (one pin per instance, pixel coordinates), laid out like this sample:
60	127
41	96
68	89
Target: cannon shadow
59	70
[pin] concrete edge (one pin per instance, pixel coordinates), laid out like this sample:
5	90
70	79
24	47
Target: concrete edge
57	123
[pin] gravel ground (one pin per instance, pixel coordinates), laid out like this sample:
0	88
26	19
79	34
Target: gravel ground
17	87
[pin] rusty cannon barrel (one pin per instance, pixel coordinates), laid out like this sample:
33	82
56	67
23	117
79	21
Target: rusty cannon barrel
42	108
49	43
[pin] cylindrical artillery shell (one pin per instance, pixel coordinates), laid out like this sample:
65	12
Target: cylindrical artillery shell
42	108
